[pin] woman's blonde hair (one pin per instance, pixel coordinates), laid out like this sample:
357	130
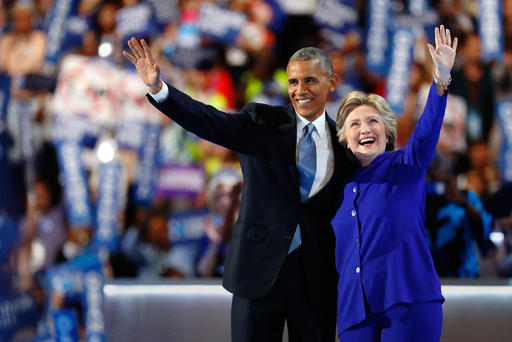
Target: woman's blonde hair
357	98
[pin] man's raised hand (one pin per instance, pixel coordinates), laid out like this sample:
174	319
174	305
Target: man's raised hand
146	66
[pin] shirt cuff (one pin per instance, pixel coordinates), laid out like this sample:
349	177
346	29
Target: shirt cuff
162	94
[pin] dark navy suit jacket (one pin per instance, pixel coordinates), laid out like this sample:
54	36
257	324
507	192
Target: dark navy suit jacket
264	138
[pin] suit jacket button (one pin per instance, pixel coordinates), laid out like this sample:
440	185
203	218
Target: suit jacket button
288	237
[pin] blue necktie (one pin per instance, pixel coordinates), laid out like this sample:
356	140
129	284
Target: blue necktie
307	171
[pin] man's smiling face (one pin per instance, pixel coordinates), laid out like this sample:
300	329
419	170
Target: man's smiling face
308	87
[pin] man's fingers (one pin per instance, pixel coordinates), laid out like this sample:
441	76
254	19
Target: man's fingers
138	48
129	57
132	47
147	51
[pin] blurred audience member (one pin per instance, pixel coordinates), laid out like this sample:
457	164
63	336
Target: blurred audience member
155	248
223	198
22	49
472	80
499	205
456	224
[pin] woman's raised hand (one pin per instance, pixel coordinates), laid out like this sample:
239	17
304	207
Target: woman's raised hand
444	53
146	66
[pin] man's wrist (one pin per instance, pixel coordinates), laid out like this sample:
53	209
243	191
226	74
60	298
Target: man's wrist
161	94
157	89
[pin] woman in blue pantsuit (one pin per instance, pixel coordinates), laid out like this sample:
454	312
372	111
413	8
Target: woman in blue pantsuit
388	288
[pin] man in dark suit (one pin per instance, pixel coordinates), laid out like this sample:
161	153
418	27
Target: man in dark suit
280	264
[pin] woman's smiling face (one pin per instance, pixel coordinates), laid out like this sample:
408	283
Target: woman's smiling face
366	134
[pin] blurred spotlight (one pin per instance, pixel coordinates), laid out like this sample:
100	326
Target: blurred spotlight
236	56
106	150
497	238
105	49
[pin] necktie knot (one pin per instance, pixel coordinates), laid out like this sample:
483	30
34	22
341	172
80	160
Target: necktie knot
308	129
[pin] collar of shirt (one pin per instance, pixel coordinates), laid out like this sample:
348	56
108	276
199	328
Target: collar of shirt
319	125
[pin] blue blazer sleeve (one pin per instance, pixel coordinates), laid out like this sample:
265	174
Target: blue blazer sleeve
422	144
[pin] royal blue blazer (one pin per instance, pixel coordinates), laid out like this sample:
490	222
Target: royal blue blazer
382	256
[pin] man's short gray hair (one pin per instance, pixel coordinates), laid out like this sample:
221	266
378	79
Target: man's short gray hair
314	54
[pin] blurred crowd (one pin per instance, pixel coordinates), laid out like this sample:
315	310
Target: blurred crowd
92	179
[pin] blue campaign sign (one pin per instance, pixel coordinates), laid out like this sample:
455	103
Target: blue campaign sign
379	19
165	11
68	278
417	7
16	312
147	173
8	236
5	95
187	226
57	28
490	29
66	325
220	24
76	128
107	232
129	133
397	84
75	184
337	15
504	116
181	180
92	303
135	21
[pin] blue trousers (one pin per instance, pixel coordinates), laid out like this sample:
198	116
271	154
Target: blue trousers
403	322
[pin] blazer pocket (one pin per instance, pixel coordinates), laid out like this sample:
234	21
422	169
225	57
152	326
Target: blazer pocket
251	231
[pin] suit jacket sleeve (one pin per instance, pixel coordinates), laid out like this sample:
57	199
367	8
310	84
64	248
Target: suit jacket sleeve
233	131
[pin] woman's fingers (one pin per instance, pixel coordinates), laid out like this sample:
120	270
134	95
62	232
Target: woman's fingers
455	42
448	38
437	38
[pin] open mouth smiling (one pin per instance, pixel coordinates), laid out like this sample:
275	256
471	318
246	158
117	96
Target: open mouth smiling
366	141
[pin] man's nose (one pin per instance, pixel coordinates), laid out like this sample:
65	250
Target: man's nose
302	87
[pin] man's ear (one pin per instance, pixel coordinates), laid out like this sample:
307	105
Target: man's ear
333	79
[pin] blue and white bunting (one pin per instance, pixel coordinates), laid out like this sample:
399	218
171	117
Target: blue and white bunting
377	35
61	11
397	84
66	325
490	29
147	173
504	116
220	24
75	184
107	207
